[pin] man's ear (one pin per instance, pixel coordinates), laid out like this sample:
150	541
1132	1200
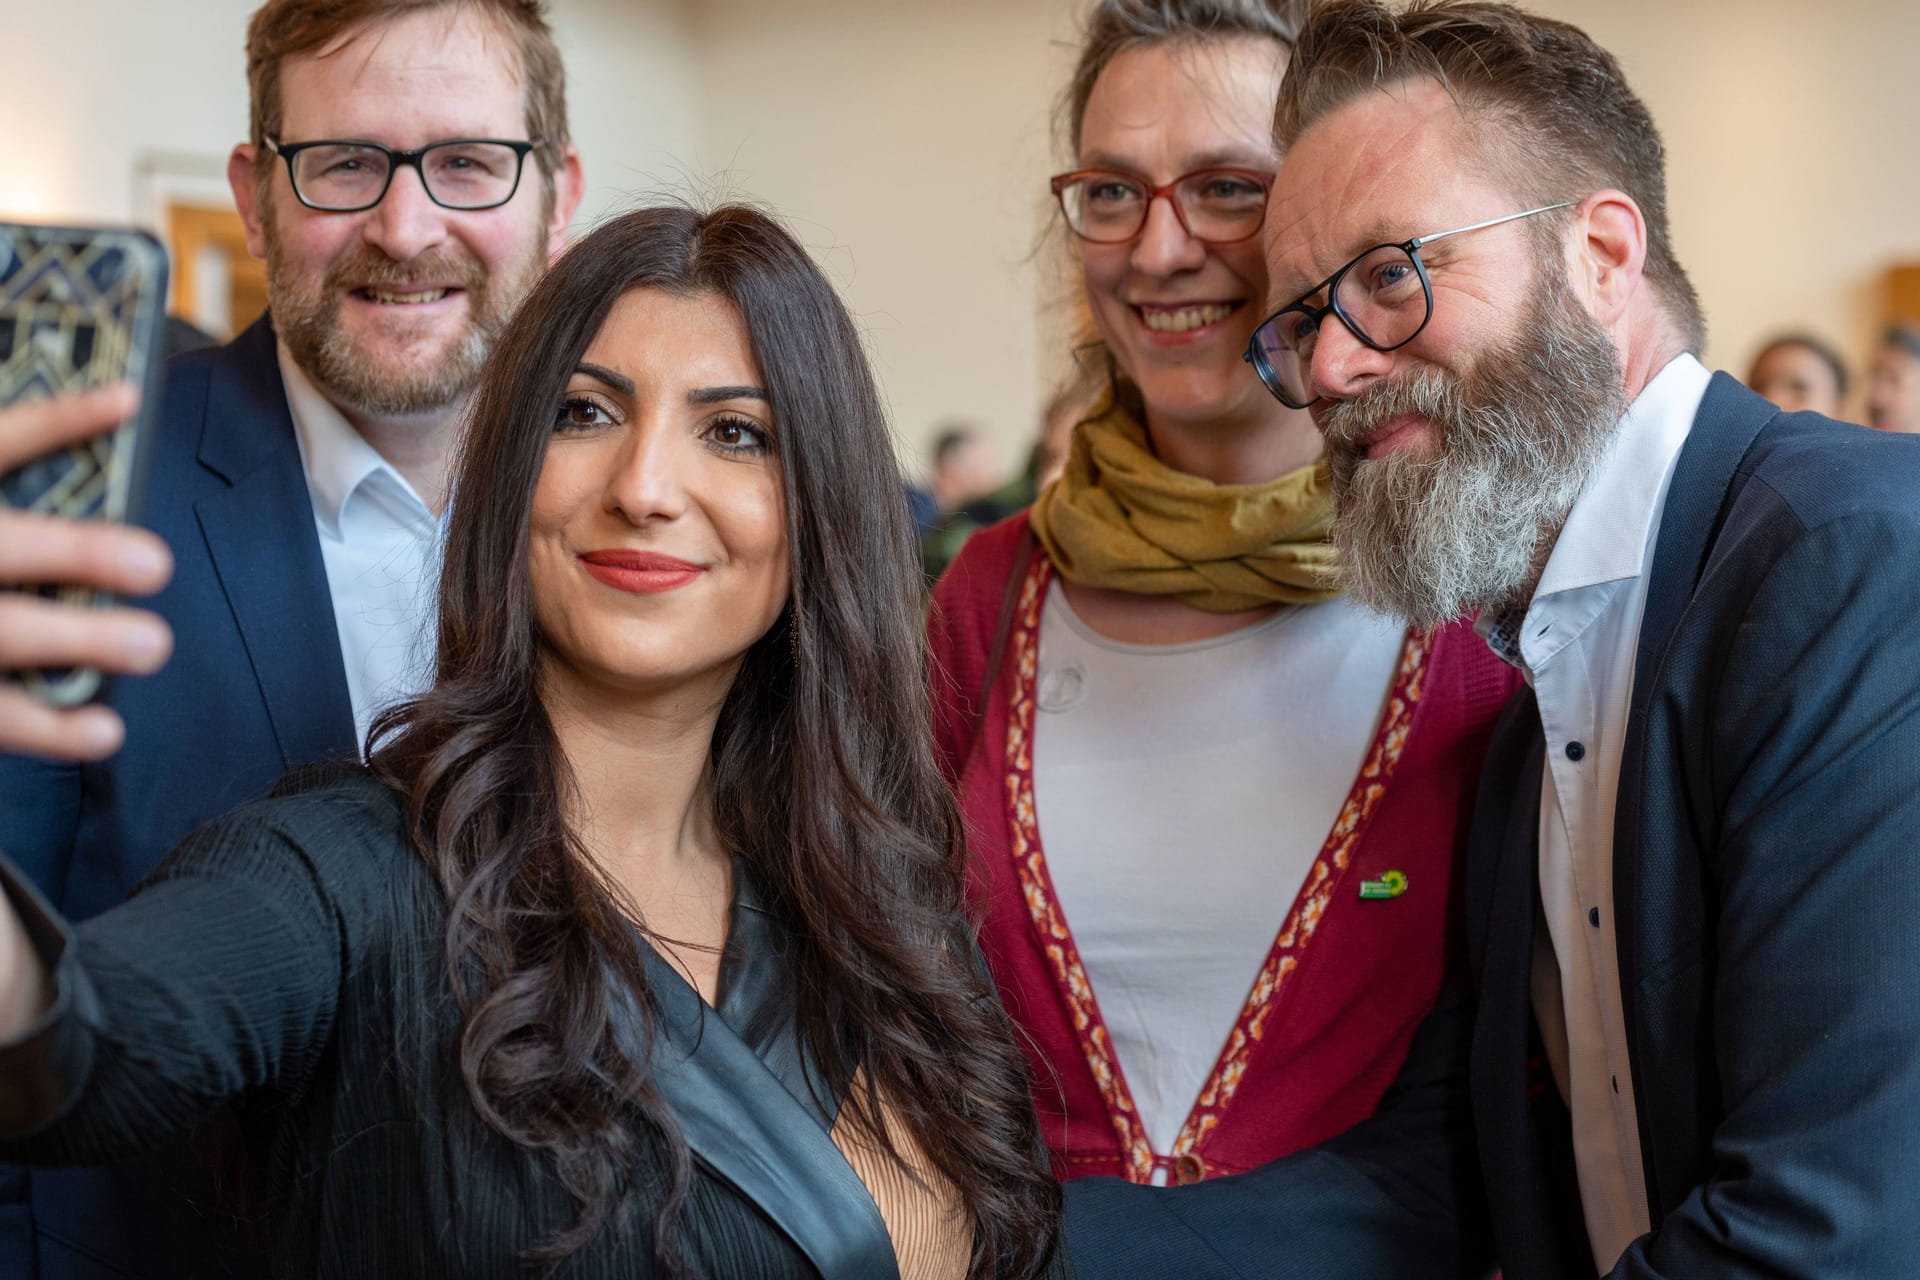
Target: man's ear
1608	253
569	184
248	195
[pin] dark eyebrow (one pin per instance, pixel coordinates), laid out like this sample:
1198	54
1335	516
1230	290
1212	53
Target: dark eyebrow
719	395
599	373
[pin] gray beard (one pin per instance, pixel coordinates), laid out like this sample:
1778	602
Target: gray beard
1430	536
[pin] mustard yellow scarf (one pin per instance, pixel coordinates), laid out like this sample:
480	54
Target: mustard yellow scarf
1119	517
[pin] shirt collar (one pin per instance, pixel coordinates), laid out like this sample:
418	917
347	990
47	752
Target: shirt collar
1606	534
337	458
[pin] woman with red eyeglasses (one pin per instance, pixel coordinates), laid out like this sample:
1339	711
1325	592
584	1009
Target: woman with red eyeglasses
1213	804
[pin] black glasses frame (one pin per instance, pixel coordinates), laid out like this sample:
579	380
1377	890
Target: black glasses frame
398	160
1256	356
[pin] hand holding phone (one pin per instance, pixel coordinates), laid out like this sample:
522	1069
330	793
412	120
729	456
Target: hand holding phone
36	550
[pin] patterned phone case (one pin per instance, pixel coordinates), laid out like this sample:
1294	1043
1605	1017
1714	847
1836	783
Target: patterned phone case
79	307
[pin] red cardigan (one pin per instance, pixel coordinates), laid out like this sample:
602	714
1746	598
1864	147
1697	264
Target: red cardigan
1352	971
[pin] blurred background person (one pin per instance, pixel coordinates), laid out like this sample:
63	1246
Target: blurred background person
1070	405
1213	803
1071	402
1801	373
639	948
1893	381
961	470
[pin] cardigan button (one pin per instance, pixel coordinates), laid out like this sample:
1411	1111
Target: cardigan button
1189	1168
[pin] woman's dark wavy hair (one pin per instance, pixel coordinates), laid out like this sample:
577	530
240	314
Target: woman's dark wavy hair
823	778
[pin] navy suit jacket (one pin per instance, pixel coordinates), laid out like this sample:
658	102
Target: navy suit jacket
1768	930
256	687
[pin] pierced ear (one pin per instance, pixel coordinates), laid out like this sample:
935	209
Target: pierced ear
248	193
1609	253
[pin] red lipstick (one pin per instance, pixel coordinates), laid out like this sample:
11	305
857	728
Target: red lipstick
642	572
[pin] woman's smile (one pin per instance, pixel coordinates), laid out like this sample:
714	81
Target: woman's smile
642	572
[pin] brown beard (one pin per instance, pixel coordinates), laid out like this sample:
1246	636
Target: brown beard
1431	535
373	382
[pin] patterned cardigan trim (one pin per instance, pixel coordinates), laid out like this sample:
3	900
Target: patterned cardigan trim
1296	932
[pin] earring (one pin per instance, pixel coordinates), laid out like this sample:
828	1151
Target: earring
793	638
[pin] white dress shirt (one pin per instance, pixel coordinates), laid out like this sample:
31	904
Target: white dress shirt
1576	647
381	547
1183	792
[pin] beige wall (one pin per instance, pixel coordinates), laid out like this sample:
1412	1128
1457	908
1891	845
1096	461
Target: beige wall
104	83
170	100
1792	172
632	98
905	139
908	142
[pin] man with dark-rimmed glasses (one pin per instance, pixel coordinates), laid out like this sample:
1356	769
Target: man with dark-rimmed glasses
408	175
1675	1050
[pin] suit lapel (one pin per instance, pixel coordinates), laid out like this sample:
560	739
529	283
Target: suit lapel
1729	419
1504	875
260	536
742	1118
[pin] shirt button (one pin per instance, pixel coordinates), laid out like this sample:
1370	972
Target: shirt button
1189	1168
1593	916
1576	752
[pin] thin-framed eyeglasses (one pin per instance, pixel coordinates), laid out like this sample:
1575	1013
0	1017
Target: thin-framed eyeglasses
350	176
1383	297
1218	206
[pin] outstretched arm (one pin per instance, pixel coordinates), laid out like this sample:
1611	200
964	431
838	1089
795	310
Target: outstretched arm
220	977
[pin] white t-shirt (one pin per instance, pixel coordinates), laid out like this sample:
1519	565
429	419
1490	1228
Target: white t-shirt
1183	793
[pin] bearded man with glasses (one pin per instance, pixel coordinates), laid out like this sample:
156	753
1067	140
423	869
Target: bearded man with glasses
408	175
1688	901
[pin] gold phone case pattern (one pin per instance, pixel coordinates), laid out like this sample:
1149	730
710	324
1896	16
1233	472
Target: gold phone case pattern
78	308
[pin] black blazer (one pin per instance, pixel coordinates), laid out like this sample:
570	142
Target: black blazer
289	959
1768	906
256	687
1768	930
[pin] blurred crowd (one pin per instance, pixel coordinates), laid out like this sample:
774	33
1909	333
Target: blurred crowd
1798	371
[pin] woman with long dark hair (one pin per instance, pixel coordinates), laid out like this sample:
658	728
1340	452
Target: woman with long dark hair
639	949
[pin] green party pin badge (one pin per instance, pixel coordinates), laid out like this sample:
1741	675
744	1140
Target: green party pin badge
1390	885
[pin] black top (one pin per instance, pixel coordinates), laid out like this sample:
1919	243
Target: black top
289	959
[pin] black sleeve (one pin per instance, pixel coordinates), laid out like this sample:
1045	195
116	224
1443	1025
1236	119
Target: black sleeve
1397	1195
221	976
1816	948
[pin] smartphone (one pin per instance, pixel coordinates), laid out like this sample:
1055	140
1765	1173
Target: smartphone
80	307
